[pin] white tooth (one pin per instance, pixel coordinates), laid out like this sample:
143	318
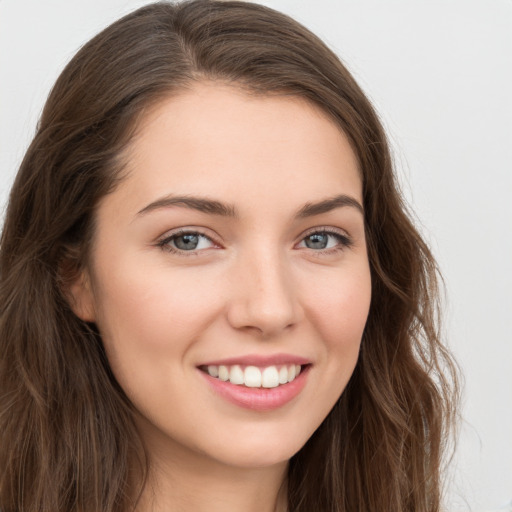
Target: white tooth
223	373
297	369
283	375
236	375
291	372
270	377
213	370
252	377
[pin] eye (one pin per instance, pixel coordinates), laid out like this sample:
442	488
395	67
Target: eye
186	241
325	241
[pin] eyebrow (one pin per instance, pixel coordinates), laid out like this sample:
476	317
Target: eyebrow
327	205
213	207
201	204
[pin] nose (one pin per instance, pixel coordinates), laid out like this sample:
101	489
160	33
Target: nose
264	295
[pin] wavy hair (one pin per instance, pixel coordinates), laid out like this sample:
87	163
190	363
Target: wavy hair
67	438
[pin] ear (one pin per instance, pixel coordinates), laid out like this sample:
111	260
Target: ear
78	292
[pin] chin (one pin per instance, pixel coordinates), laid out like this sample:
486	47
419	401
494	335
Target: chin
260	450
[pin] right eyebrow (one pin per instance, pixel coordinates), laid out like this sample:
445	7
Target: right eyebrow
201	204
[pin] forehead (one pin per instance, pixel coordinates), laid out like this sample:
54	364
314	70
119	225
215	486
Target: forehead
221	140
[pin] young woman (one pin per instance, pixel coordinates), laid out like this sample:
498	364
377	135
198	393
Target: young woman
211	296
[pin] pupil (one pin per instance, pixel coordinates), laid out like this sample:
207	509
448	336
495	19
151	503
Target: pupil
186	242
317	241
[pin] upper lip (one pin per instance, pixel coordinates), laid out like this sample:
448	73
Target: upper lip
259	360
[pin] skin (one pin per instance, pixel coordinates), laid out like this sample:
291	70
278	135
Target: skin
253	286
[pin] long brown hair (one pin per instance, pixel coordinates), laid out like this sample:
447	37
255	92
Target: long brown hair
67	439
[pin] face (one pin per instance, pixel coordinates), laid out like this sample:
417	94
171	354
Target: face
234	249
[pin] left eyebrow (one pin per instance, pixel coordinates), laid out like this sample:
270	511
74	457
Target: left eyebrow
327	205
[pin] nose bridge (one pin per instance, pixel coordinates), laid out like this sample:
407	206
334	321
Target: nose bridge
266	296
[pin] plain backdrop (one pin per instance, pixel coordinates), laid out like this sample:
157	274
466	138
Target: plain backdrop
440	74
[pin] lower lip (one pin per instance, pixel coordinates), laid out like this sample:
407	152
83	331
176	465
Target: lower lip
258	399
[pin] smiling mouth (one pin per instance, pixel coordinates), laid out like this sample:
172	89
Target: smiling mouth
272	376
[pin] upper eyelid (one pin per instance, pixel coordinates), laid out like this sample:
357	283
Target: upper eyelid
343	239
207	233
168	235
164	242
203	231
326	229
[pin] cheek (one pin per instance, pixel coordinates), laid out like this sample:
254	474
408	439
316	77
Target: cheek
146	313
343	302
339	306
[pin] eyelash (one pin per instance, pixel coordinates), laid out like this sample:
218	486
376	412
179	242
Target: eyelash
164	244
344	241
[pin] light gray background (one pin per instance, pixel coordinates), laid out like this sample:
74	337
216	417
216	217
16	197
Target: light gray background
440	74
